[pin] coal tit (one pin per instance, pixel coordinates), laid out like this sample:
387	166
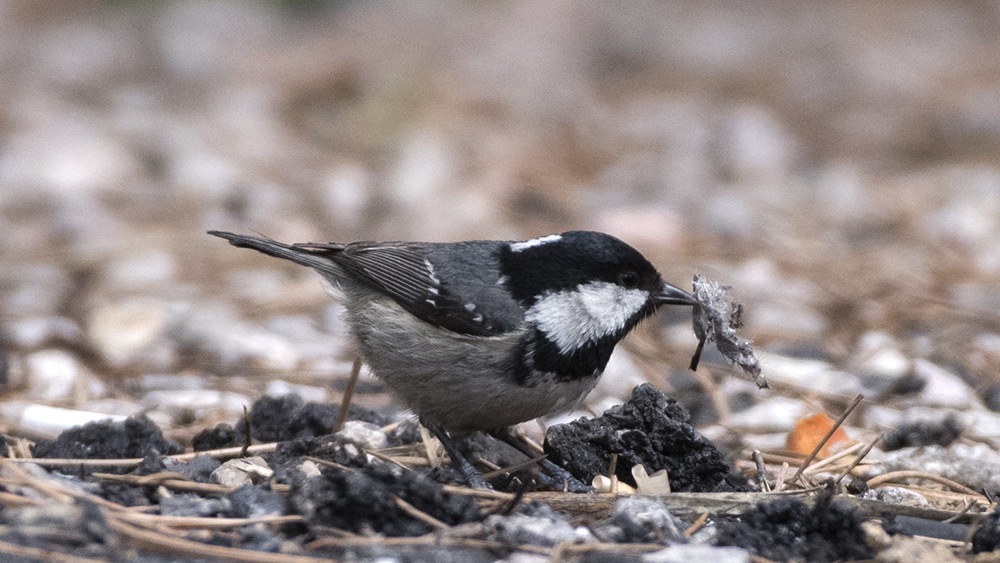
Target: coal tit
482	335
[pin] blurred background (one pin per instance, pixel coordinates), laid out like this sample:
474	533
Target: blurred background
837	163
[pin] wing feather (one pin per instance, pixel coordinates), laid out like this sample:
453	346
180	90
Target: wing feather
403	272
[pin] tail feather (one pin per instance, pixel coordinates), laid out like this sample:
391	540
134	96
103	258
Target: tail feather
299	255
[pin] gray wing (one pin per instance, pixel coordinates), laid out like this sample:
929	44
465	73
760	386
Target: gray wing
453	286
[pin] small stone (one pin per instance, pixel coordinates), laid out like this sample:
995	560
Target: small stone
943	388
125	332
639	519
45	421
217	329
813	375
140	272
347	193
33	332
309	393
880	360
55	375
243	471
692	553
542	527
976	466
188	405
37	290
364	435
778	414
895	495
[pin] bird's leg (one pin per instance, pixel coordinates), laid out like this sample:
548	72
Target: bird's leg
472	477
560	476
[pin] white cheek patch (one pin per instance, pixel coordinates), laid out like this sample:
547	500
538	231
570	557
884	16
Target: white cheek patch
521	246
572	318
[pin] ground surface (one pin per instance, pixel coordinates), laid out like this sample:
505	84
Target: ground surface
835	162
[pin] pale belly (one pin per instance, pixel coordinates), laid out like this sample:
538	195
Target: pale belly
462	384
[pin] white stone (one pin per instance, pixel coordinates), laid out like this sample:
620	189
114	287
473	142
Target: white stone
309	393
347	193
185	404
45	421
697	553
879	356
243	471
814	375
217	329
55	375
364	435
776	414
140	271
943	388
123	331
32	332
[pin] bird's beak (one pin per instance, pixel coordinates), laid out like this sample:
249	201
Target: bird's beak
670	295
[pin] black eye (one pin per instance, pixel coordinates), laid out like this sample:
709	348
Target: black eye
628	279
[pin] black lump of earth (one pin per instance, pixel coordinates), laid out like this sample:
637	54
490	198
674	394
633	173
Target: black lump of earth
650	429
716	317
364	501
134	437
924	433
786	529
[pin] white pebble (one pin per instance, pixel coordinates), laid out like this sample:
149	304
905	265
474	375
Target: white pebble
693	553
55	375
363	434
123	332
814	375
46	421
776	414
35	331
943	388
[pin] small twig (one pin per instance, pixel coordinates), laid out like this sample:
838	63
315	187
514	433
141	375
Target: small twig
178	483
420	514
508	508
221	453
485	494
325	462
345	402
247	440
840	420
36	553
388	458
894	475
857	460
696	525
779	481
968	506
761	471
611	473
180	547
202	523
830	460
492	466
512	468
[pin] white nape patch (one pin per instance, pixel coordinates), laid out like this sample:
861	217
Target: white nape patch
571	318
520	246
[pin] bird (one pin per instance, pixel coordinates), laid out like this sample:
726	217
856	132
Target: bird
481	335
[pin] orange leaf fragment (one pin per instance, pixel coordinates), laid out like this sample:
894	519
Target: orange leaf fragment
809	431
